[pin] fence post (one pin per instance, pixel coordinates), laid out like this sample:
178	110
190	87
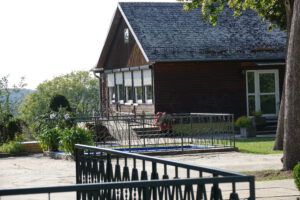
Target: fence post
252	188
129	135
191	130
232	129
143	121
211	130
181	117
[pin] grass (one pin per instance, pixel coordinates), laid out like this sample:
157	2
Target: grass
270	175
256	145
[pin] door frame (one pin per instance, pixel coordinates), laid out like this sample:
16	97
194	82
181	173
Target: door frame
257	90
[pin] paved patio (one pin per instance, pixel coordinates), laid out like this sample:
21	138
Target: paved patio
36	170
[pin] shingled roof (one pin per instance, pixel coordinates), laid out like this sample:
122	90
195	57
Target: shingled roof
165	32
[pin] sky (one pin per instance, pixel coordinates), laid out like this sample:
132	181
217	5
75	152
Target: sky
41	39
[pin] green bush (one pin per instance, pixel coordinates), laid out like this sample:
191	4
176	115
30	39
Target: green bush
256	113
59	101
296	173
10	127
70	137
12	147
49	139
243	122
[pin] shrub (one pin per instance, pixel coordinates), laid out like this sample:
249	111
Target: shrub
10	127
243	122
296	173
70	137
12	146
257	113
59	101
49	139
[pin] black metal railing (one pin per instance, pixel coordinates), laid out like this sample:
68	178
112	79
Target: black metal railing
172	132
96	165
109	174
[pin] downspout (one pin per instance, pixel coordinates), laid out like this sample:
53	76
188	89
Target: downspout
98	73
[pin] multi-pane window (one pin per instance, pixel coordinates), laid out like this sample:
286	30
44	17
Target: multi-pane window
121	93
148	94
120	87
147	77
138	94
129	94
138	90
112	95
111	87
128	87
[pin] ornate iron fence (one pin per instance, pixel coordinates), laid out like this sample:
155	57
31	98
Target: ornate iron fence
178	180
114	175
152	132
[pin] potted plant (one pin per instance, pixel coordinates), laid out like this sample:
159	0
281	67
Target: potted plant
163	121
258	120
246	127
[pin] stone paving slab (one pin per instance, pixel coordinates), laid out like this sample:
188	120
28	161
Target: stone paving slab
36	170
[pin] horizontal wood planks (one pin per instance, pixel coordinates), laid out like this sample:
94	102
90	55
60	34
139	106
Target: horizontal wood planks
123	54
209	87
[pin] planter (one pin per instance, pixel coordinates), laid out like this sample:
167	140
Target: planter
247	132
259	122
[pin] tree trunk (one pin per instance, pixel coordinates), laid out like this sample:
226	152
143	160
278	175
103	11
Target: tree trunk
278	145
291	145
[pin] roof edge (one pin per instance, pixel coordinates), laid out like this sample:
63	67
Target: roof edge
105	44
133	33
219	59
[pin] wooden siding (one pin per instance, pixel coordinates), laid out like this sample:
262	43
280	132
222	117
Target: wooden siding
208	87
123	54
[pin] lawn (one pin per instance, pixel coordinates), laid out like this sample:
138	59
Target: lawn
270	175
256	145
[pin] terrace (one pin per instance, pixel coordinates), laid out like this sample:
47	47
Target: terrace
110	174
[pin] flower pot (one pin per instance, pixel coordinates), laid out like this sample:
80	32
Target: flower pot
259	122
247	132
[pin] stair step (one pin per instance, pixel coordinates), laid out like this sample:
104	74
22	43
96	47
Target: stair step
266	132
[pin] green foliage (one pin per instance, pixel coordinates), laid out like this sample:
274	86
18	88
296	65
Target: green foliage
243	122
296	173
10	126
272	10
70	137
79	88
257	113
49	139
59	101
12	146
162	118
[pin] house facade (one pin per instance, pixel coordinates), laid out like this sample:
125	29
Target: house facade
159	58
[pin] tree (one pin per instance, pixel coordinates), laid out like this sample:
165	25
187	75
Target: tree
59	101
10	126
79	88
286	15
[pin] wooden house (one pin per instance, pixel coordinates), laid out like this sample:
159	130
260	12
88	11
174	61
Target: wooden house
159	58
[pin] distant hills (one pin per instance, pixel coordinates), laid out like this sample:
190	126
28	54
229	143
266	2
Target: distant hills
19	96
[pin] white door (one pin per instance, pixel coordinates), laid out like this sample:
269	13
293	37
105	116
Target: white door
263	92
